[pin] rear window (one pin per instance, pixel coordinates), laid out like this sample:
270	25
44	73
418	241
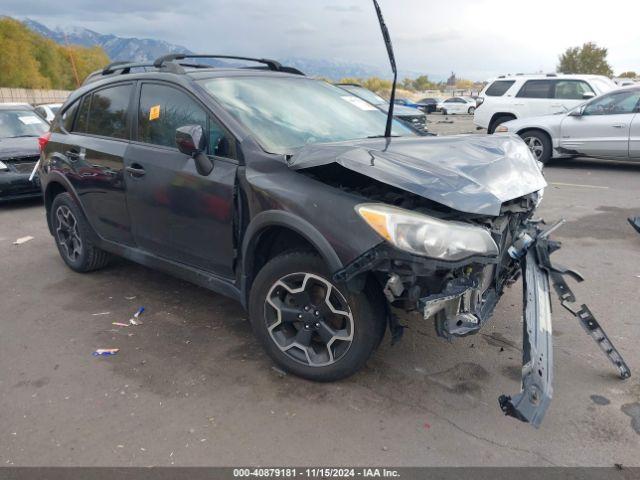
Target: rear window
108	113
572	89
499	88
69	115
536	89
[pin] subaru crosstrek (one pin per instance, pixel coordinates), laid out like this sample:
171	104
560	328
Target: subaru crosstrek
281	191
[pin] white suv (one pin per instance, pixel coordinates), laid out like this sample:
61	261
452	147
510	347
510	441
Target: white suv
519	96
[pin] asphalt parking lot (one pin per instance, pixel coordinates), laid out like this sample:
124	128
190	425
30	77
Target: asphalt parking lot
191	386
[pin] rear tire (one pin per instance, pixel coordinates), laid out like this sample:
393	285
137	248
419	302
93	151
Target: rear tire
539	144
72	234
303	332
499	121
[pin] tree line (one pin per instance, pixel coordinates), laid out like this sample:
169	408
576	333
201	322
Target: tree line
29	60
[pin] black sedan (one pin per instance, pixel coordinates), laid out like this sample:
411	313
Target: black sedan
20	128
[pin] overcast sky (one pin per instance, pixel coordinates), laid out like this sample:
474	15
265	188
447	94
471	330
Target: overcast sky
475	38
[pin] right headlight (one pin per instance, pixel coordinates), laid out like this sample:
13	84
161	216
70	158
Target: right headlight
427	236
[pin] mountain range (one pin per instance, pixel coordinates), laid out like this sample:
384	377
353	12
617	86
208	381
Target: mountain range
147	50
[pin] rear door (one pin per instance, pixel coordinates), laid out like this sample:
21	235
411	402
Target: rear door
604	127
177	213
568	94
94	152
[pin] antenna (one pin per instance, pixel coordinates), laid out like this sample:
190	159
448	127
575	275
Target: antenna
392	61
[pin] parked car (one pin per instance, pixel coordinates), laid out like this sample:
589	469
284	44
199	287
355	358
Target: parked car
289	196
521	96
20	128
406	102
416	119
605	127
48	111
457	105
428	104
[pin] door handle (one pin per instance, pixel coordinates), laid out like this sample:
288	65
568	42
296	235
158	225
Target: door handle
135	170
619	125
74	154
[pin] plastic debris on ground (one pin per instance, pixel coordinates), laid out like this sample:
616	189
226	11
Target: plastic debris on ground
105	352
22	240
118	324
100	313
135	320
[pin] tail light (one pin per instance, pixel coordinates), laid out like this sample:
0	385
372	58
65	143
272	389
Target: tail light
43	140
479	101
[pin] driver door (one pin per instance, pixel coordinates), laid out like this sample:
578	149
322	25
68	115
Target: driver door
602	130
176	213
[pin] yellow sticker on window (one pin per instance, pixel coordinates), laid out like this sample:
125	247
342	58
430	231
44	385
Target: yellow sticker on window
154	112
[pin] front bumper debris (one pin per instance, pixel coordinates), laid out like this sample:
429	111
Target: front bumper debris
532	402
533	248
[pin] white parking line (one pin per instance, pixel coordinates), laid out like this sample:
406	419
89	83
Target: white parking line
577	185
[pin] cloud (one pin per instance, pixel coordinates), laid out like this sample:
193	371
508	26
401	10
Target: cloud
302	28
476	38
343	8
435	37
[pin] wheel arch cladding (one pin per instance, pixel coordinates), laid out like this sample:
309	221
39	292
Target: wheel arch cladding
265	237
536	129
54	188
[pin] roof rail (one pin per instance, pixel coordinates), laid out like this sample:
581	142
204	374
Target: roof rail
271	64
125	66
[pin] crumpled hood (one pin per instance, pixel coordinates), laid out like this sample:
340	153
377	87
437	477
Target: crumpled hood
18	147
469	173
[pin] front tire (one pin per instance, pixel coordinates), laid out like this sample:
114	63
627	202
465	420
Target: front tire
471	110
73	236
539	144
309	325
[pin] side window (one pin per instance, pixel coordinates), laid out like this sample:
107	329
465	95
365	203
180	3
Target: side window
614	104
108	113
163	109
83	115
69	115
40	111
536	89
572	89
499	88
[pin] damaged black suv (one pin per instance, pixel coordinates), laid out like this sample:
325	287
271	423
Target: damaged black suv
281	191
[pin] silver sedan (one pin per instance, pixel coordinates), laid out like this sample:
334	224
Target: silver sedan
606	127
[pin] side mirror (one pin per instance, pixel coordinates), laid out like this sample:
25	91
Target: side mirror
588	95
576	112
192	141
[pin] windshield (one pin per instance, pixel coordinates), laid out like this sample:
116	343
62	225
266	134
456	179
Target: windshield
21	123
287	113
365	94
